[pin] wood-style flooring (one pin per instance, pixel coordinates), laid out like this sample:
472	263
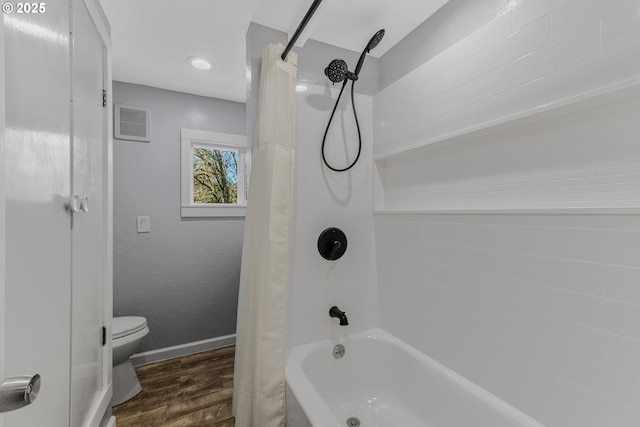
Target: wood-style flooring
194	390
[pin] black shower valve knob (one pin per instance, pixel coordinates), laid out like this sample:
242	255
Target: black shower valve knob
332	243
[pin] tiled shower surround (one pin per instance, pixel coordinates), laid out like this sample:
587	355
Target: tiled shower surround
325	199
509	249
538	54
541	310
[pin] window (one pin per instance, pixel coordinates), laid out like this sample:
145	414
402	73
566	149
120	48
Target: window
213	168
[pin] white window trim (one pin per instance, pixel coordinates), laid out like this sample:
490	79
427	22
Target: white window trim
190	138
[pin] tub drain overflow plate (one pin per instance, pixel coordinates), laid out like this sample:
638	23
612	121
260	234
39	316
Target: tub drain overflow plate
338	351
353	422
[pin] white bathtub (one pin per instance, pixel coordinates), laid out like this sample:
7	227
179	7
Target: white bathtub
384	382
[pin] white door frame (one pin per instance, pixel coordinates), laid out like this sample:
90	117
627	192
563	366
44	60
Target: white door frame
2	203
101	24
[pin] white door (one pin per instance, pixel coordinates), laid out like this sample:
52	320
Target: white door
36	174
88	228
53	263
54	281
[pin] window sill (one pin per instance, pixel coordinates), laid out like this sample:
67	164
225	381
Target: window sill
212	211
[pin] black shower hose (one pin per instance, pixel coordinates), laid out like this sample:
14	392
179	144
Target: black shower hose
355	115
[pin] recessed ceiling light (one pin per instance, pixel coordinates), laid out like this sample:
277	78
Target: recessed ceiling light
301	88
200	63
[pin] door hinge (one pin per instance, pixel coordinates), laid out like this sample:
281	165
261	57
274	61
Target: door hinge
104	98
104	336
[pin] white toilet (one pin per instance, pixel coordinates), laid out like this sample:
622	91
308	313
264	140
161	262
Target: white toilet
128	332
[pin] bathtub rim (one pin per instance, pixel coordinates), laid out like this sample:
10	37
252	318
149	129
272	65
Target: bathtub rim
300	385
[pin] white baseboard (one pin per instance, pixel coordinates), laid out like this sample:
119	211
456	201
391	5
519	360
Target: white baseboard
182	350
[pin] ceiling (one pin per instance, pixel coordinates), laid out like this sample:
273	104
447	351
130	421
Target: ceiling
152	38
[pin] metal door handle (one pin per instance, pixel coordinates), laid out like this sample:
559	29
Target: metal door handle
84	204
77	204
16	392
74	204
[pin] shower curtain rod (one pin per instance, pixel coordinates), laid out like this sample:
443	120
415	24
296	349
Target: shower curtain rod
305	21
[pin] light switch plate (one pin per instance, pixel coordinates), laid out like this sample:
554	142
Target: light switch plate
144	224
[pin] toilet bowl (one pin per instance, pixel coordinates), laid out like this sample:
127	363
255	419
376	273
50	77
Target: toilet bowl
128	333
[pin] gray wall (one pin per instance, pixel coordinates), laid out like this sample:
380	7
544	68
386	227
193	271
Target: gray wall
183	276
450	24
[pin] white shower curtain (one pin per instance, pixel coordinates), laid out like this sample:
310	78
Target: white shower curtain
259	383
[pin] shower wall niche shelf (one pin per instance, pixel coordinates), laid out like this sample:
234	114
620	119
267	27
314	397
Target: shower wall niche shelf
607	94
516	211
492	167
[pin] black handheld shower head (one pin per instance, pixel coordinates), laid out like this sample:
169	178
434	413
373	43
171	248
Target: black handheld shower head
377	37
337	71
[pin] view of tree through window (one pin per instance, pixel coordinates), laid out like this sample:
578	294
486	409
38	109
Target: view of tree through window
215	176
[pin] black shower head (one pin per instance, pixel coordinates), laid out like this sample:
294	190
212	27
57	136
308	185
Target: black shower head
377	37
337	70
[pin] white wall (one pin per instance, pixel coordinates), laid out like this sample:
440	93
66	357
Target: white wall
542	310
323	199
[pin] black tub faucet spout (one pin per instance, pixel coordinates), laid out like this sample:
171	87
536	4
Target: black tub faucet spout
339	314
